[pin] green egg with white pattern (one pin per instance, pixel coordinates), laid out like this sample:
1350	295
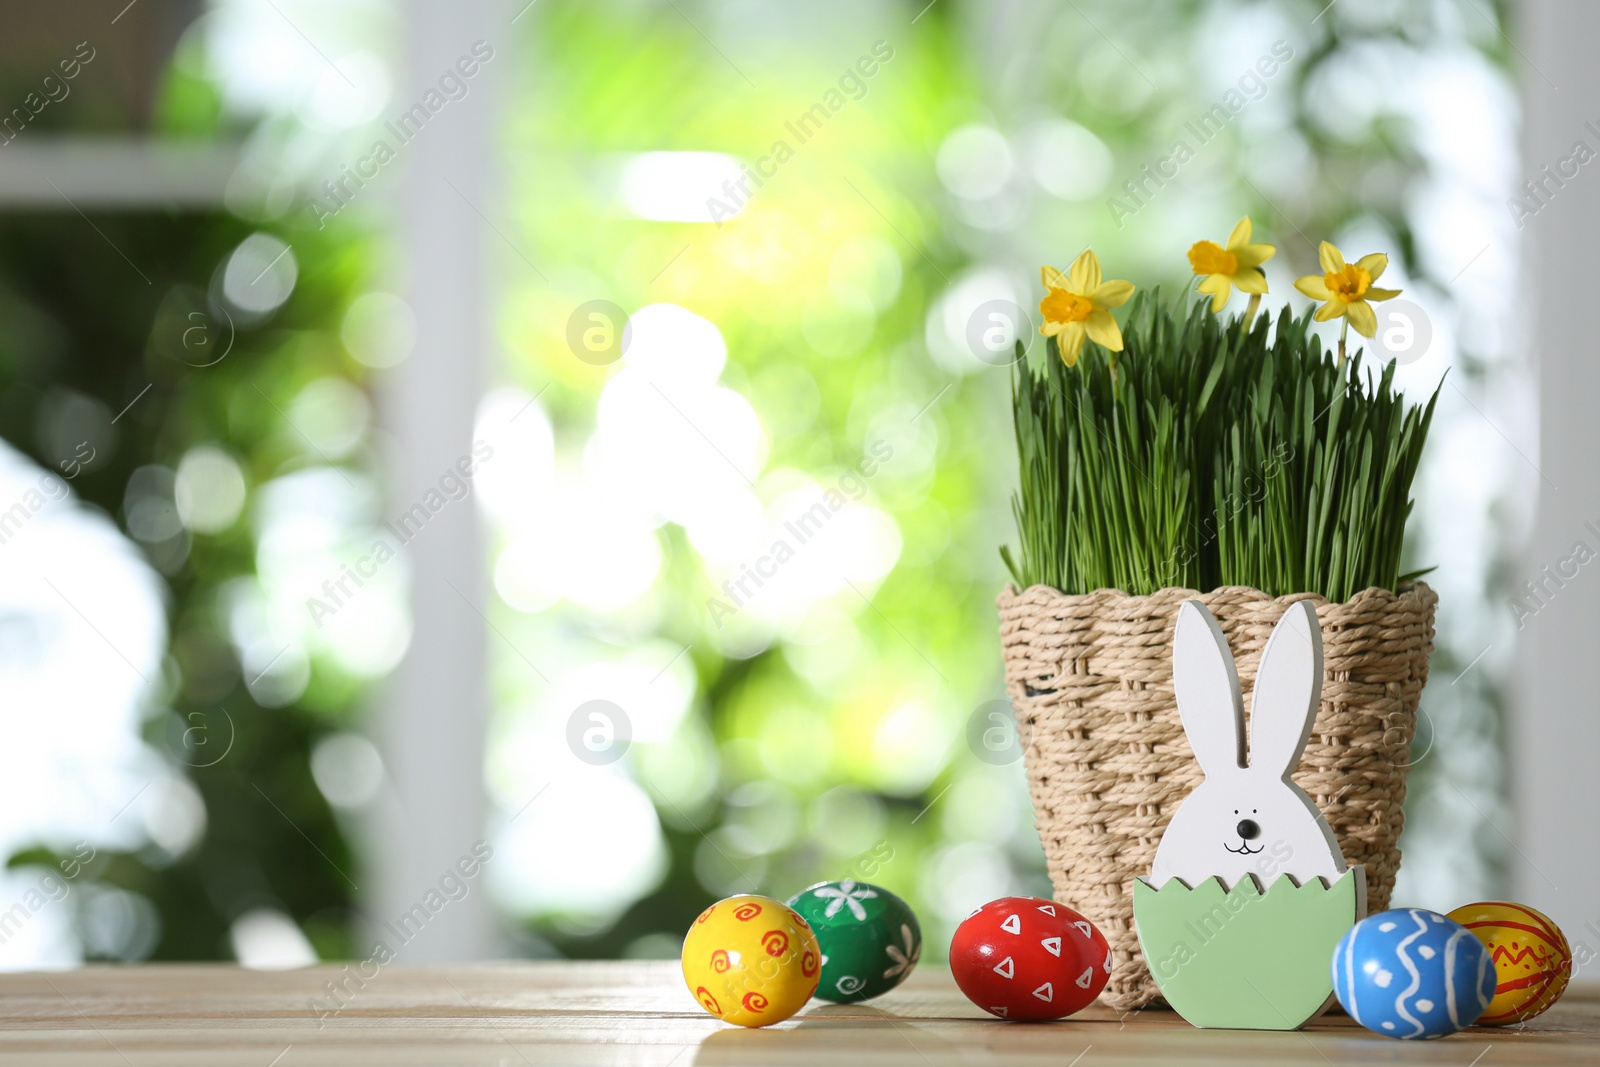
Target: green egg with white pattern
870	938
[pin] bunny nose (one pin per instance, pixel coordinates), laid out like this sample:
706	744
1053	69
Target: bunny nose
1248	829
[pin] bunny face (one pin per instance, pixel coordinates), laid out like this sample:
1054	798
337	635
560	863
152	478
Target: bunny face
1247	818
1233	826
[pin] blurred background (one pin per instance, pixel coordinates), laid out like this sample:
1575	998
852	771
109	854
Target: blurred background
557	434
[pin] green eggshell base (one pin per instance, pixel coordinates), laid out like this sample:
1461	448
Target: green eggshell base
1246	960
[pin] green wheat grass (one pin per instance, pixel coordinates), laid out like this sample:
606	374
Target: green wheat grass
1212	454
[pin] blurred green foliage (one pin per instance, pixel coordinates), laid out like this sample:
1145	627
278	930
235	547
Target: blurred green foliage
102	307
793	745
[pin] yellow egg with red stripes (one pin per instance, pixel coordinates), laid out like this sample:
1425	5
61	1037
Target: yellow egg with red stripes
751	960
1532	961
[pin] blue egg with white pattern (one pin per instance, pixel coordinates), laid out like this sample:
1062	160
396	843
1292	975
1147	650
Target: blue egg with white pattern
1412	974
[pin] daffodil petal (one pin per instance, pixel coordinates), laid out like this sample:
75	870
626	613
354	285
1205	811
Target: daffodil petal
1330	257
1069	342
1382	294
1112	294
1313	286
1373	264
1103	329
1211	283
1331	310
1052	278
1085	273
1253	255
1240	234
1363	319
1050	329
1251	281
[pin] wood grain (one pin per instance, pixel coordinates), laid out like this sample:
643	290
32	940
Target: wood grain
639	1013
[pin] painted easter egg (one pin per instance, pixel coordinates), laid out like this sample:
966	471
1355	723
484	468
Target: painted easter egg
1532	960
751	960
1027	958
1412	974
870	938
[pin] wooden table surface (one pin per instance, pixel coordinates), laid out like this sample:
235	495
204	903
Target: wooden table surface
640	1013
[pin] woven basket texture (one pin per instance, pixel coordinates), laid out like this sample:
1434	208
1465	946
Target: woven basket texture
1090	679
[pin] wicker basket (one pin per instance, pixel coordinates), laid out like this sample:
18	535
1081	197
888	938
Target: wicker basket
1090	678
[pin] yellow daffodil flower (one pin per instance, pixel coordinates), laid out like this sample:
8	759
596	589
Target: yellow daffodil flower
1347	288
1238	264
1077	304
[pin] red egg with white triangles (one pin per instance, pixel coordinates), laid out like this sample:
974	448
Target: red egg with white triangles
1026	958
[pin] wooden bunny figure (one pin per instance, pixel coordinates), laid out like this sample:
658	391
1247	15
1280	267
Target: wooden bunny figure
1252	948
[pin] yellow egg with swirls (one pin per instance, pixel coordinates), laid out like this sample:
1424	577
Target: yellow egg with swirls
751	960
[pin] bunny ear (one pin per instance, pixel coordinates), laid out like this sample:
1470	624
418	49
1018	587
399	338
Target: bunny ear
1288	688
1207	688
